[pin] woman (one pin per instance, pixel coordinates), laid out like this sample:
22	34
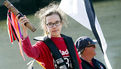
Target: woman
57	51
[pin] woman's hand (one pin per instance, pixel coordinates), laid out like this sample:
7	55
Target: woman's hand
22	21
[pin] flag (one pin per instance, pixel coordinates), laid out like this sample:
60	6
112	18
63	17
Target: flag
14	31
82	11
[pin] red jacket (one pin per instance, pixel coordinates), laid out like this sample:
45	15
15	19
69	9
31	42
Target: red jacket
41	52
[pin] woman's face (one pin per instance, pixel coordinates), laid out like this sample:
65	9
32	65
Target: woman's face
54	25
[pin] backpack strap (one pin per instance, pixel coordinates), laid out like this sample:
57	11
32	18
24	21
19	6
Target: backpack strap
71	49
55	53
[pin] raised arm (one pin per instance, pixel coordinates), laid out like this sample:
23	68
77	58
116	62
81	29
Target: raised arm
31	51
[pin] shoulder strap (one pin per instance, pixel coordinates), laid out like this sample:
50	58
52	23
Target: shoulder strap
71	49
55	53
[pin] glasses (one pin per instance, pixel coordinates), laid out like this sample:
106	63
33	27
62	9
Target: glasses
50	25
91	46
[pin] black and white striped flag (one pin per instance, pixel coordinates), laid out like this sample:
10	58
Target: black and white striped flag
82	11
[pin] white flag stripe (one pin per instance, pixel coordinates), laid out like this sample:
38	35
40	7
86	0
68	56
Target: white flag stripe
107	61
99	31
103	42
76	10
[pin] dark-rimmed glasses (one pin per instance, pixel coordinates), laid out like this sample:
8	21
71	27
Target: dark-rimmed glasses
57	23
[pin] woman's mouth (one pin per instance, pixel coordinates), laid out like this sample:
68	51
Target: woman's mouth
54	30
